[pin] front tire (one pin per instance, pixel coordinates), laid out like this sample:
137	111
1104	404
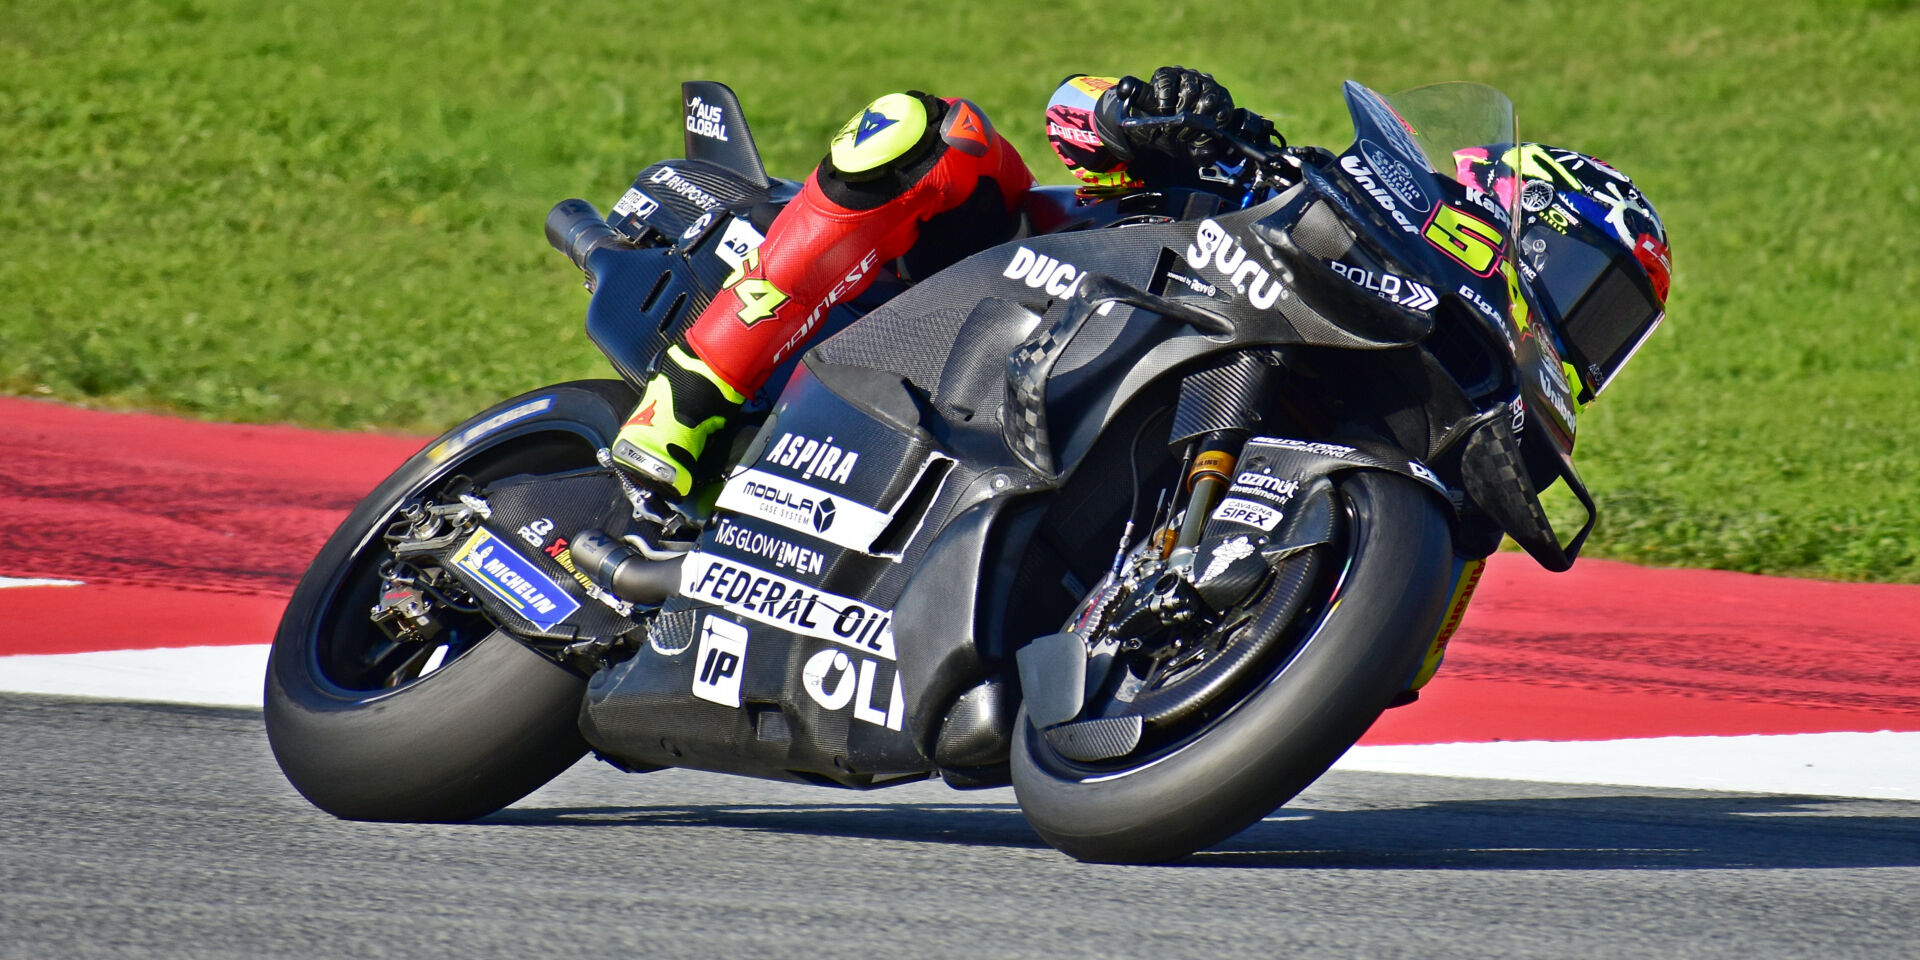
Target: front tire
1286	732
356	726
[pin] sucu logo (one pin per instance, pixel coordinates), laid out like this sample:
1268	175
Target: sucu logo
1214	247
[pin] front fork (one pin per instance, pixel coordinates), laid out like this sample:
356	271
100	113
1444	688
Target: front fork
1220	407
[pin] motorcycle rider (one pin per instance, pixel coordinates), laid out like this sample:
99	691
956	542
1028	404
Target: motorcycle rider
927	181
910	176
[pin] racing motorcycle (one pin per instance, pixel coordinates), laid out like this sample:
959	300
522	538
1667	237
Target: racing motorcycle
1150	510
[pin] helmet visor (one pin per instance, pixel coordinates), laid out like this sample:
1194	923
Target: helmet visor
1603	305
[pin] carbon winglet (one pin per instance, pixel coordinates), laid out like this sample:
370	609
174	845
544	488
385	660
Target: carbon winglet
717	130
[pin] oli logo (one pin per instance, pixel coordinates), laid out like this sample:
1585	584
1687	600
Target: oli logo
835	680
723	650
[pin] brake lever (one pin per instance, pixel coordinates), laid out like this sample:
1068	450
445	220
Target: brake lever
1273	160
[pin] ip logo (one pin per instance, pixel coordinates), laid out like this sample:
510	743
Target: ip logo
722	655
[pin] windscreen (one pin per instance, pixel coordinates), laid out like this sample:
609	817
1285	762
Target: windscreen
1466	131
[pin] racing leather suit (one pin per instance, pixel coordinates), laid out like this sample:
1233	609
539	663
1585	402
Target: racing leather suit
905	160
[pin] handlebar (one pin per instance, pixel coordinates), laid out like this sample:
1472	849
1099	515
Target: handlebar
1252	139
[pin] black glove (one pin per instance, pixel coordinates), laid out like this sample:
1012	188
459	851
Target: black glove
1171	90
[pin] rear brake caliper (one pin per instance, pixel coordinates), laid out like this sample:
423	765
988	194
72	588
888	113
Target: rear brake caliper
410	591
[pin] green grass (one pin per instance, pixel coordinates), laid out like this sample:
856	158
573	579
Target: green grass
330	213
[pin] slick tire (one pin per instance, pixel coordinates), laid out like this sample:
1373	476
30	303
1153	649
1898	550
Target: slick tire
1287	731
492	724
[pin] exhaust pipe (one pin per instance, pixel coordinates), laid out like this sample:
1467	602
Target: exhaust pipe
616	567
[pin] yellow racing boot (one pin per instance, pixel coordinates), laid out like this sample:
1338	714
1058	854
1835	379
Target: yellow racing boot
684	404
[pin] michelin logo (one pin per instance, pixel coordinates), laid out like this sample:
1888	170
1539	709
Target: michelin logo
514	579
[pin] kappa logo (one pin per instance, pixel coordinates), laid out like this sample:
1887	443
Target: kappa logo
1490	204
1041	272
719	663
1214	247
833	682
705	120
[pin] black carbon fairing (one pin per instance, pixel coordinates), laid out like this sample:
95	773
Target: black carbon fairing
779	656
855	579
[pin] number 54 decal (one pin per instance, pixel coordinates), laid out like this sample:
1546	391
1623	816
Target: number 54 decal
1466	238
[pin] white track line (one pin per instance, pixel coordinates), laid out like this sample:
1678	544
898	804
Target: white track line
1879	765
1876	765
215	676
6	582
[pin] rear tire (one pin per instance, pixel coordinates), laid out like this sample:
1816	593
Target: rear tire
496	720
1286	732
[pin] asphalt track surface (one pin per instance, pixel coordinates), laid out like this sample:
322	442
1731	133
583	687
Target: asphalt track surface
133	829
148	830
